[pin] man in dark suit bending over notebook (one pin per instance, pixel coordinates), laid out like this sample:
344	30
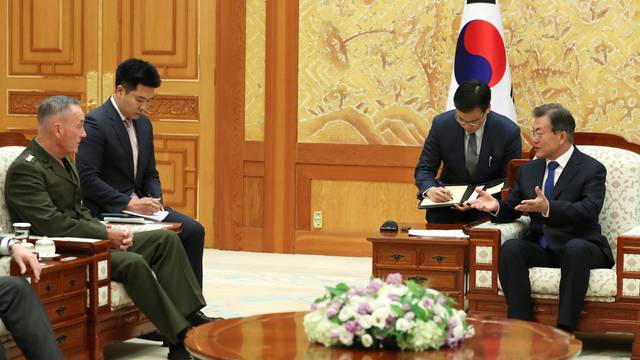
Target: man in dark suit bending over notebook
563	191
474	145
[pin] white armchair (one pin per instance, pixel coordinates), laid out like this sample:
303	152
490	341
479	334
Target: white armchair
613	296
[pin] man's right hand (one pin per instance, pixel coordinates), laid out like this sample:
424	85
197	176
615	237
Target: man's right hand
439	194
23	257
145	205
484	202
120	239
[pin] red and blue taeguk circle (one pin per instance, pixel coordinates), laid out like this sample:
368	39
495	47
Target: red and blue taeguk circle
480	53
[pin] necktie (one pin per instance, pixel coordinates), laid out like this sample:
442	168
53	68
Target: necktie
548	190
134	144
471	157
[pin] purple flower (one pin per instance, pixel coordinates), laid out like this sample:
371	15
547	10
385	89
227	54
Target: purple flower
453	342
364	308
406	307
427	303
441	300
335	332
352	326
358	290
331	312
314	307
374	286
410	315
394	297
437	319
390	321
394	279
336	304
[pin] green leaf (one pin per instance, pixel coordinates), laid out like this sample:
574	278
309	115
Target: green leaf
342	287
397	310
415	289
419	311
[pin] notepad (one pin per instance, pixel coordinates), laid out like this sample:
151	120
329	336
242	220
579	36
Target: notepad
156	216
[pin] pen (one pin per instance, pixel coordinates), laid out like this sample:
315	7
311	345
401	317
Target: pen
490	161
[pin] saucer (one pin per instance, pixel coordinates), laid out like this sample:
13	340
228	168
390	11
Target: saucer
49	257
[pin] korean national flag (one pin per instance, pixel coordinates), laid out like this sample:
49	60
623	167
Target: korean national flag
481	55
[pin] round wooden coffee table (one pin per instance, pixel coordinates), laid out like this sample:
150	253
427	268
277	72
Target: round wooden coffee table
281	336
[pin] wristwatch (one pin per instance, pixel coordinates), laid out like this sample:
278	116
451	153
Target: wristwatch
10	246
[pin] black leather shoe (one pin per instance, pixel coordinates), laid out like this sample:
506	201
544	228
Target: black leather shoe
178	352
155	336
199	318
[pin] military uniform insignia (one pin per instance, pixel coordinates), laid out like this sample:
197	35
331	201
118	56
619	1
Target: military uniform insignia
29	157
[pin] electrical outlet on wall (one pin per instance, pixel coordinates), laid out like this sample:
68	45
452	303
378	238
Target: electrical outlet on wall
317	219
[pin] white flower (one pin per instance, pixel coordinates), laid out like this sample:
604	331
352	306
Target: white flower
403	324
366	340
400	290
347	312
425	335
365	321
346	338
380	316
458	331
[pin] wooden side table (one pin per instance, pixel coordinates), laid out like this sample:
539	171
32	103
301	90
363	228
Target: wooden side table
63	291
437	262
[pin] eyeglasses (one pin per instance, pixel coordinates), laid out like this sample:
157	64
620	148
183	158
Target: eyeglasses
472	122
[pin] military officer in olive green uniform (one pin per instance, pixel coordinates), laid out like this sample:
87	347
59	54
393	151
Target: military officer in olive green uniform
43	188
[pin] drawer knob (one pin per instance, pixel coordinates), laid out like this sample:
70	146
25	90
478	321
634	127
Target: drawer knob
396	257
61	339
73	282
418	279
439	259
61	310
48	288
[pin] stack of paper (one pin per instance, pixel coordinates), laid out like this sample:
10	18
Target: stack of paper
438	233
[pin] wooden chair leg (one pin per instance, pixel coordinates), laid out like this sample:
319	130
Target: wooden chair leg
635	347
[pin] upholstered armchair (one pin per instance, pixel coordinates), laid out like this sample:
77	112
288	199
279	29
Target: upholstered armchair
613	298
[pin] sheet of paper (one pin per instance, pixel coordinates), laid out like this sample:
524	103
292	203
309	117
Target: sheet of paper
157	216
72	239
495	189
438	233
456	190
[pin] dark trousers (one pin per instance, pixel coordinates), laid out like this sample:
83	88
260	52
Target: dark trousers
25	318
192	236
575	261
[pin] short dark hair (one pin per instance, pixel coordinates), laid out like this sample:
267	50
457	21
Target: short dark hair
559	117
132	72
54	105
472	94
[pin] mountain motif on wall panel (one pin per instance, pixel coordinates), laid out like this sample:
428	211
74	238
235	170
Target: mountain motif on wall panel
376	72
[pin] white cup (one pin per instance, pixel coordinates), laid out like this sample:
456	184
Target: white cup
21	230
45	247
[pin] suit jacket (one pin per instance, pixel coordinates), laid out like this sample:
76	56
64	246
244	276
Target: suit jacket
40	190
574	205
105	161
501	142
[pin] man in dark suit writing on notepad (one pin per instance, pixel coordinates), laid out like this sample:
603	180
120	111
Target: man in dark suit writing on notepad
474	146
563	191
116	161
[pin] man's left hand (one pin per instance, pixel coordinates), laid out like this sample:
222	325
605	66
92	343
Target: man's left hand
464	208
539	204
25	258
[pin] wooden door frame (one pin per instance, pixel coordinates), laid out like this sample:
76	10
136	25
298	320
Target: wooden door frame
279	147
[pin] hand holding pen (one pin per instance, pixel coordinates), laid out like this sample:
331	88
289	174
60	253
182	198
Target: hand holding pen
439	194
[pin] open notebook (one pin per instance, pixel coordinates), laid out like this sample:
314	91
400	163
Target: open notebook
463	193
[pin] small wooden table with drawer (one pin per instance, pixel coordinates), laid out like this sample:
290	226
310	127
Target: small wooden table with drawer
437	262
63	291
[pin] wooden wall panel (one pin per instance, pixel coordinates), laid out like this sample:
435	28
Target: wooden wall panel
176	158
162	32
253	201
46	37
361	206
174	108
27	102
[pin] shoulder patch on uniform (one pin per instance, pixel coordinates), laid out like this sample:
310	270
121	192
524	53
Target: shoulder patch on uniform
29	157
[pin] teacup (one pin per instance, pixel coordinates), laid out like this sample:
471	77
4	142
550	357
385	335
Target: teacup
21	230
45	247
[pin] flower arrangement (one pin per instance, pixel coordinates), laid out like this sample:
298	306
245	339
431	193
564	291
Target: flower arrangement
386	314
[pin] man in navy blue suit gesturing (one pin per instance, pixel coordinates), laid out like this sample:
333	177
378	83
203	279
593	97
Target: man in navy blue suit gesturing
474	145
563	191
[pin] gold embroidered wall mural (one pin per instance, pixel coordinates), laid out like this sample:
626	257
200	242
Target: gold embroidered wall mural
376	72
255	30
